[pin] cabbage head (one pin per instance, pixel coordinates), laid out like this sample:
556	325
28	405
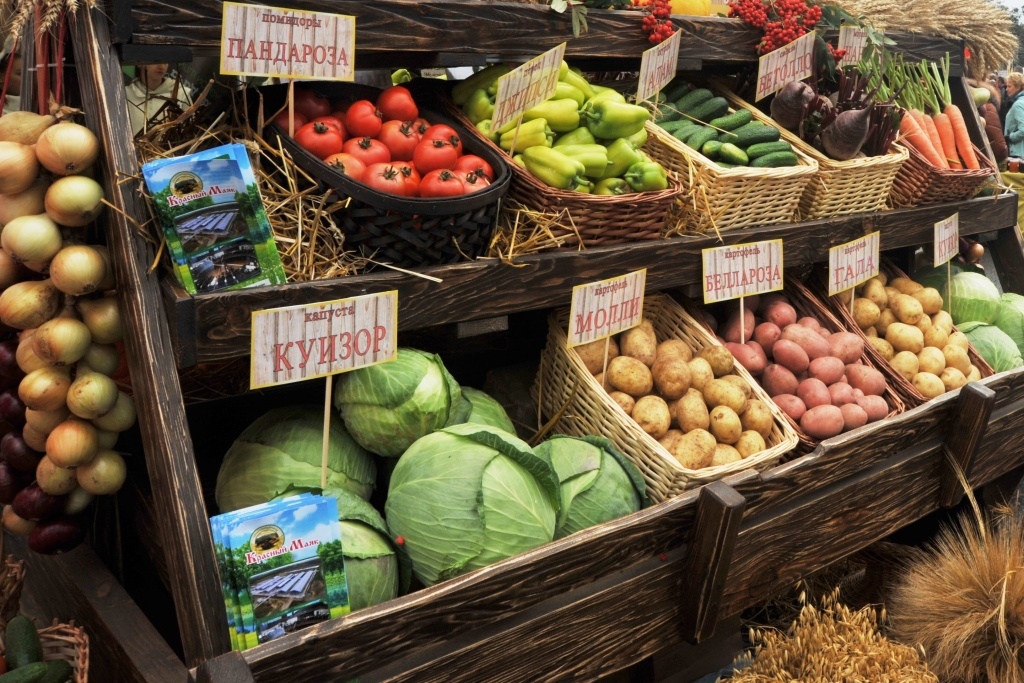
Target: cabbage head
973	298
597	482
485	410
994	345
1010	318
467	496
281	450
388	406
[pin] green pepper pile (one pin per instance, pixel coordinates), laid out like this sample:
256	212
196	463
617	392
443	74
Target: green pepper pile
584	138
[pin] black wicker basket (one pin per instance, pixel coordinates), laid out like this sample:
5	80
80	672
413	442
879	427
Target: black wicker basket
405	231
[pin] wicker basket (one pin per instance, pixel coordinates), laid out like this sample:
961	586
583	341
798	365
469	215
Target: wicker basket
67	642
406	231
919	182
717	199
591	411
12	580
839	188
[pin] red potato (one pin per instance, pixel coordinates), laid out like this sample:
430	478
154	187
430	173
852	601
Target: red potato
857	393
846	346
828	369
766	334
776	380
789	354
841	393
825	334
808	321
853	416
822	422
790	405
814	393
732	329
748	358
868	380
874	406
759	350
780	313
766	300
810	341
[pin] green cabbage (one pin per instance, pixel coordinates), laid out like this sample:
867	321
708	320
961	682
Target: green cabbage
994	345
1010	318
282	449
597	482
974	298
388	406
467	496
485	410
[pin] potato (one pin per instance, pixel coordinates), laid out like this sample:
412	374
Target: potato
695	449
956	357
868	380
883	347
746	356
674	347
691	412
640	343
928	385
630	375
953	379
719	358
813	393
808	321
907	309
719	392
846	346
624	400
841	393
905	285
731	331
853	416
812	343
766	334
936	336
844	296
874	406
725	425
777	379
871	332
886	318
865	313
739	383
931	360
671	376
891	292
592	354
791	405
882	278
906	363
930	300
924	324
757	417
944	321
725	454
652	414
790	355
875	293
700	373
822	422
905	337
750	442
828	369
960	339
780	313
671	438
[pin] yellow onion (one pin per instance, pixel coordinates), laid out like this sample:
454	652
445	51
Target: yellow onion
45	388
77	501
11	271
78	269
108	276
92	395
102	358
18	167
34	438
55	480
102	318
74	201
72	443
120	418
107	439
31	238
44	421
62	341
24	126
67	148
18	526
29	304
104	474
29	202
27	358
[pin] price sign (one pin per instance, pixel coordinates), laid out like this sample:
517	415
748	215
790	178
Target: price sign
275	41
947	239
658	67
853	263
296	343
526	86
853	40
742	270
789	63
601	309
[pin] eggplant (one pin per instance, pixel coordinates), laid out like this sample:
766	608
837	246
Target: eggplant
34	503
57	536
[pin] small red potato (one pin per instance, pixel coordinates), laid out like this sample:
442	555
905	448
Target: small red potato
748	357
846	346
828	369
814	393
822	422
790	355
853	416
766	334
732	330
874	406
776	380
790	405
810	341
868	380
842	393
780	313
808	321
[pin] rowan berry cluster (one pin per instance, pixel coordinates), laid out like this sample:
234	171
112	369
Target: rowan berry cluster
657	24
836	53
781	21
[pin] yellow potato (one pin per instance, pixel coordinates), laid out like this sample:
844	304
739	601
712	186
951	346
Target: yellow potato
640	343
974	375
599	377
882	278
924	324
956	357
757	417
905	285
952	379
725	454
929	385
871	332
674	347
844	296
700	373
886	318
906	363
865	313
671	376
943	321
875	293
719	358
892	292
718	392
695	449
624	400
691	412
930	299
960	339
750	442
738	381
592	354
936	336
630	375
725	425
907	309
883	347
931	359
905	337
652	414
671	438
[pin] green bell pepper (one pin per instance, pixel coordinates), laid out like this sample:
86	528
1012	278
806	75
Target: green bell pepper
565	91
481	79
646	175
611	120
594	157
553	168
576	80
563	69
518	160
401	76
612	186
562	115
531	134
488	130
639	138
479	106
584	188
605	95
580	136
621	155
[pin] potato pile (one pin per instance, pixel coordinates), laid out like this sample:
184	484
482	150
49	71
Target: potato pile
815	376
905	323
694	406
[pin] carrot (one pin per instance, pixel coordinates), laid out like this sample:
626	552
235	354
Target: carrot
962	137
945	133
928	126
912	134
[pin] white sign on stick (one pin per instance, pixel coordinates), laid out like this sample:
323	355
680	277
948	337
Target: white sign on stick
853	40
947	239
297	343
853	263
793	62
658	67
742	270
257	40
527	85
601	309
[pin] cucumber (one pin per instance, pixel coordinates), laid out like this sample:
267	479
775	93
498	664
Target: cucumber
759	149
673	126
710	149
753	136
666	112
57	671
673	91
23	646
725	164
712	109
693	99
732	121
30	673
775	160
683	132
703	134
733	154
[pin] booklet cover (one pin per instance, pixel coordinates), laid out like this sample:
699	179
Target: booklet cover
209	207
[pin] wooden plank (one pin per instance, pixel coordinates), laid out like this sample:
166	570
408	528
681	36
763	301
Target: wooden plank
216	326
124	646
717	523
1007	252
228	668
966	428
188	546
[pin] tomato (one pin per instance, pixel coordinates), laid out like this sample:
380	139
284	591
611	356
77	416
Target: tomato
473	182
347	164
433	154
320	139
400	138
440	131
471	163
411	177
334	123
363	119
310	104
441	183
384	178
420	125
282	120
367	150
396	103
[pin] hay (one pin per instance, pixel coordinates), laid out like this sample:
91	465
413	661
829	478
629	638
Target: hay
521	230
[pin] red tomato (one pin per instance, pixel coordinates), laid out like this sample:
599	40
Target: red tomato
363	119
441	183
420	125
282	120
440	131
400	138
310	104
473	182
396	103
335	123
367	150
320	139
411	177
433	154
471	163
347	164
385	178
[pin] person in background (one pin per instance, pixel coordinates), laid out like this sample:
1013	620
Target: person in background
1014	129
989	112
1004	99
153	97
11	60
